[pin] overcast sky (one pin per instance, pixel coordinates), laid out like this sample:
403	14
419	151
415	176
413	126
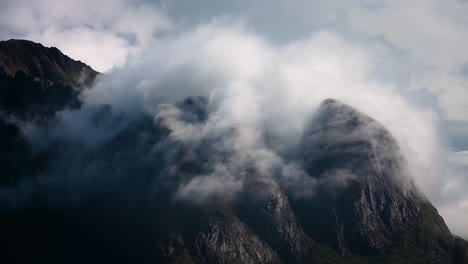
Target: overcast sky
419	47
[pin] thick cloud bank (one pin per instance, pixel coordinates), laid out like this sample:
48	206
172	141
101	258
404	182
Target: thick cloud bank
269	91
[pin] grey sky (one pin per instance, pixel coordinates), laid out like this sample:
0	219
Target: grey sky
419	48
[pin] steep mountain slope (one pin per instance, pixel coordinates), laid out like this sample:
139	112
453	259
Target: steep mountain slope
43	63
36	81
368	204
118	200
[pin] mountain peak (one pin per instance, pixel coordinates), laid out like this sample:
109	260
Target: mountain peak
44	63
36	81
368	200
339	113
330	101
349	136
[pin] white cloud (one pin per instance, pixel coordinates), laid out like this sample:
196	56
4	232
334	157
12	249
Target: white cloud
101	34
257	86
433	35
84	43
454	99
426	28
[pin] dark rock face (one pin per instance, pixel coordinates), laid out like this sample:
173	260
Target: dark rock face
28	98
366	204
35	81
225	239
269	212
15	151
460	251
43	63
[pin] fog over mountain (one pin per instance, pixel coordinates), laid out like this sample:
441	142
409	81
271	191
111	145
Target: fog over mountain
131	165
216	104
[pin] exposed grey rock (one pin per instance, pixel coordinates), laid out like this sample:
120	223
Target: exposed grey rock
225	239
269	213
368	202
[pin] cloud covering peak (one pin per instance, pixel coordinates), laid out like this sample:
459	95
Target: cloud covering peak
265	71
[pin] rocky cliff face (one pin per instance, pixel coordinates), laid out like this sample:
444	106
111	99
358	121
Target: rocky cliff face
367	204
225	239
43	63
36	81
117	200
270	214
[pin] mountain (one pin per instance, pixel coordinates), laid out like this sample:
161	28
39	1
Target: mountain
124	198
43	63
36	81
369	205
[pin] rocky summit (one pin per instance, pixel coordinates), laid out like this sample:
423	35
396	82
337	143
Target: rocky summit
129	196
36	81
372	207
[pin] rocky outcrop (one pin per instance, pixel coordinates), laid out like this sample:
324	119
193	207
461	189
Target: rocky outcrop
29	98
367	203
224	239
43	63
266	208
36	81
